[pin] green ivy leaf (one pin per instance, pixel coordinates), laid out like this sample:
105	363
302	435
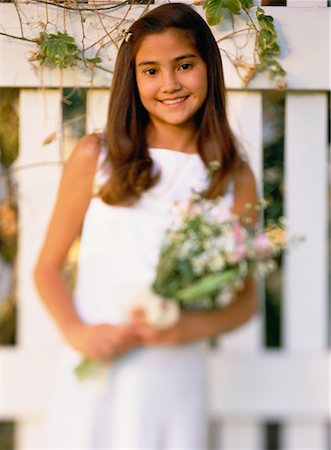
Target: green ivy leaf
259	13
92	62
234	6
67	39
95	60
59	49
265	39
267	46
265	22
214	9
267	25
247	4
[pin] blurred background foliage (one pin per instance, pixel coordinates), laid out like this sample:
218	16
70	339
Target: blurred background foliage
73	113
273	191
7	433
8	213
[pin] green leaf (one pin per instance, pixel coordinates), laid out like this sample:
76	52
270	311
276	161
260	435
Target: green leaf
267	46
86	369
259	13
56	50
247	4
66	38
214	11
266	38
59	49
207	285
234	6
95	60
267	25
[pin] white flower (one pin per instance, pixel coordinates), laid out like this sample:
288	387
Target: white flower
216	262
159	312
185	250
225	298
263	268
243	268
199	263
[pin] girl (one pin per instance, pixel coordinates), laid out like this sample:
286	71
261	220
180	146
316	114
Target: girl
166	122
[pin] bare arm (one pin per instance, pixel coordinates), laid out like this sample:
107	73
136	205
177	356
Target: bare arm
74	196
73	199
205	324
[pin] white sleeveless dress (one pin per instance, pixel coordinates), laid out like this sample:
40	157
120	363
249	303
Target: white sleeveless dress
151	398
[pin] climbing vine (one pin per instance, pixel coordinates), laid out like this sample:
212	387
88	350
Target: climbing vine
61	49
266	49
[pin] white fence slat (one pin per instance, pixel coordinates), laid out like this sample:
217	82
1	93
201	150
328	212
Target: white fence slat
275	385
39	118
27	434
307	3
303	435
306	177
245	116
96	109
241	435
270	386
26	380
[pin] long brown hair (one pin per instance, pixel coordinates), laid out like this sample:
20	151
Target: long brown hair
132	170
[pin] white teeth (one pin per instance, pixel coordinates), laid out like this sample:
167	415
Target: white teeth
173	102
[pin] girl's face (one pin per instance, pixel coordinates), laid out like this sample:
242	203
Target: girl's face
171	78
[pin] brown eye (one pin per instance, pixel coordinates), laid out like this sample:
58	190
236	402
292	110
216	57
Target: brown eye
185	66
151	72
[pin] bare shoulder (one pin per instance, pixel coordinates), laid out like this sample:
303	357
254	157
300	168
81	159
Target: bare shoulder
244	176
87	149
245	190
74	195
83	160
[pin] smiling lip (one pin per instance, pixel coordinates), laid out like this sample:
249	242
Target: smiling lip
175	101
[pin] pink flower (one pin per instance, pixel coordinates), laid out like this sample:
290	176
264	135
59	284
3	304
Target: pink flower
239	232
239	254
188	208
221	213
183	206
262	246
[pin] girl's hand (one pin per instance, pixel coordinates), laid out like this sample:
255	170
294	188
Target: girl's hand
186	329
102	342
193	325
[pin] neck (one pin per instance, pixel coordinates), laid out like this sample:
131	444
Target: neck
181	139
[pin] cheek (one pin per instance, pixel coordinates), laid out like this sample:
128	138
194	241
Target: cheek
204	82
145	90
200	83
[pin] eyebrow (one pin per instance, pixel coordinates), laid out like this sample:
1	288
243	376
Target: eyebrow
179	58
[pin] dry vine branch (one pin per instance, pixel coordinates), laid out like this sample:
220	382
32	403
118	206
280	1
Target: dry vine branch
263	55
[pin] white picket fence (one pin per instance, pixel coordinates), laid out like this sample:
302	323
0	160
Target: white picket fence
250	385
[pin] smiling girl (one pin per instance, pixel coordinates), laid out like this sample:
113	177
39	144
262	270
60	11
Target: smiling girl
167	121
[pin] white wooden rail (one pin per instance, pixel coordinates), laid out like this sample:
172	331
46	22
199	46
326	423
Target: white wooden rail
249	384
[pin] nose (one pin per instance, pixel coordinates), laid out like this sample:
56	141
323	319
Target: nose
170	82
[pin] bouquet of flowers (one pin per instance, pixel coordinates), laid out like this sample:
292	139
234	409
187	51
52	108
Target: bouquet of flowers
210	251
206	255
